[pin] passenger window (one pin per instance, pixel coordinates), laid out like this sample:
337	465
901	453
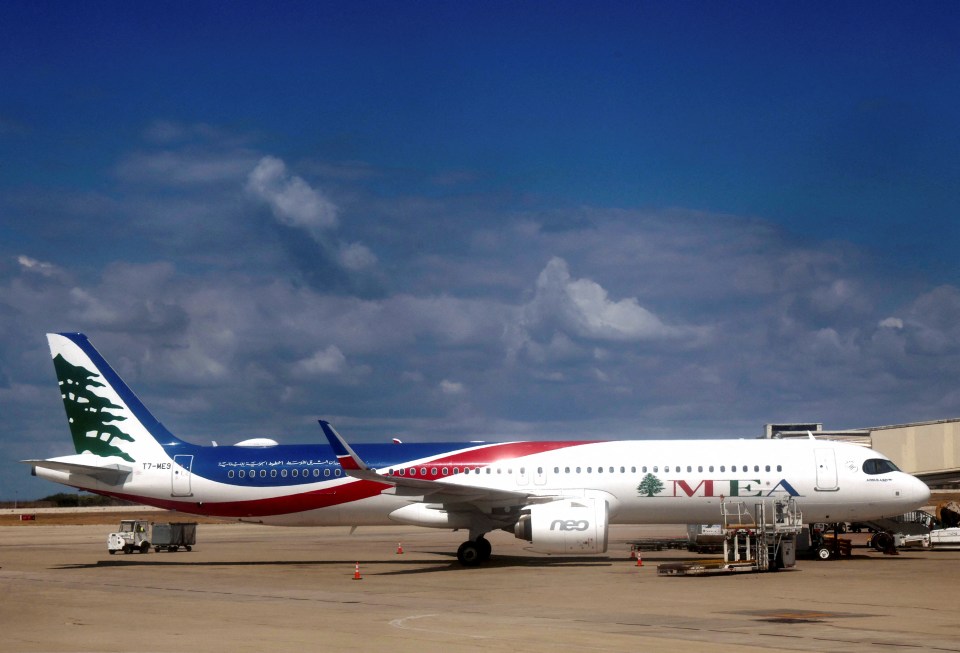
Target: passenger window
710	468
283	473
756	468
779	468
336	472
326	472
723	468
263	473
578	470
768	468
230	474
655	469
689	468
243	473
445	471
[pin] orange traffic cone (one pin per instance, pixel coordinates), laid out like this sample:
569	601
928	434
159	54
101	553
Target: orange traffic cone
399	548
356	572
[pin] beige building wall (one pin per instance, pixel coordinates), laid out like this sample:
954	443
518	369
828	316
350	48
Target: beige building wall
920	448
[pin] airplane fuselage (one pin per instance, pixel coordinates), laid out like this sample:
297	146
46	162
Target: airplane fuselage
654	481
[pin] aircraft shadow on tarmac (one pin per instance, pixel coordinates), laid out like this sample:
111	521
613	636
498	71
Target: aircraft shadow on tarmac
414	565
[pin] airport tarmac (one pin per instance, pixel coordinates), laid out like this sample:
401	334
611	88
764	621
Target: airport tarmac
257	588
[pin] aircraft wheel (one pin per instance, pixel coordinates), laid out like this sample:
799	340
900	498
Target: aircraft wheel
469	554
882	541
485	548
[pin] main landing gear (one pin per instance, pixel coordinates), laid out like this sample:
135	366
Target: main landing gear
472	552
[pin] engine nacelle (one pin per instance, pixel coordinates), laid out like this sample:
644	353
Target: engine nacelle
565	526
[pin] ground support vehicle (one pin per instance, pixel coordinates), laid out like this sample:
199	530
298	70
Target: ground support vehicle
764	540
134	535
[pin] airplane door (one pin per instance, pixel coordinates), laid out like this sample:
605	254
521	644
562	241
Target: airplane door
826	470
181	473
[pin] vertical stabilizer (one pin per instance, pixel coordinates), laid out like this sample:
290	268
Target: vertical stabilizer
106	418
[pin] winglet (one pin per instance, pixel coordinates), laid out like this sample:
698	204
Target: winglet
346	456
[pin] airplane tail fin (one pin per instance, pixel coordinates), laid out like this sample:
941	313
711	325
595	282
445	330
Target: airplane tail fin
106	418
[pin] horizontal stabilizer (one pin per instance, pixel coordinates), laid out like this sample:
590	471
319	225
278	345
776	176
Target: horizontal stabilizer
110	474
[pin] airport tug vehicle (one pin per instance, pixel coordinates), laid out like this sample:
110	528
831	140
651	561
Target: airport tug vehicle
132	536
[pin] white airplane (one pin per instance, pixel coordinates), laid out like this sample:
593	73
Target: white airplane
560	496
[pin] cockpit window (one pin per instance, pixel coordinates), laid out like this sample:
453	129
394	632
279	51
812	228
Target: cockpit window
879	466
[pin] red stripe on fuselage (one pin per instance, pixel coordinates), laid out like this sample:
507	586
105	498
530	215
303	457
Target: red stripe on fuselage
485	455
285	505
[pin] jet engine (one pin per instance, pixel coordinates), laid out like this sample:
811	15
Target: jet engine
565	526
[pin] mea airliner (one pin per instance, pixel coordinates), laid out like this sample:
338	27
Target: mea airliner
559	496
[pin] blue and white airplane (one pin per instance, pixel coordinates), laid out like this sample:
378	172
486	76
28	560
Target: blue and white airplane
560	496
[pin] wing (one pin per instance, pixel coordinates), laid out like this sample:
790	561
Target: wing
453	496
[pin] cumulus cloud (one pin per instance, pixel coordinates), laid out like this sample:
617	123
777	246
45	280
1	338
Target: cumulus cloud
327	361
291	199
584	308
356	257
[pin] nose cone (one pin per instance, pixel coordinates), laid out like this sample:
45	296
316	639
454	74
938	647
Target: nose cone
916	491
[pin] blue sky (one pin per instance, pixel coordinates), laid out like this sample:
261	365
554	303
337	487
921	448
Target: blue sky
500	220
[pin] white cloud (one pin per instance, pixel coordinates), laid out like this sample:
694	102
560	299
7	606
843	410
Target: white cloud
448	387
356	257
38	267
291	199
584	308
328	361
185	167
891	323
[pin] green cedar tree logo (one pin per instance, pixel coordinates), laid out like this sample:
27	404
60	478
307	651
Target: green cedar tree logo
91	422
650	485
